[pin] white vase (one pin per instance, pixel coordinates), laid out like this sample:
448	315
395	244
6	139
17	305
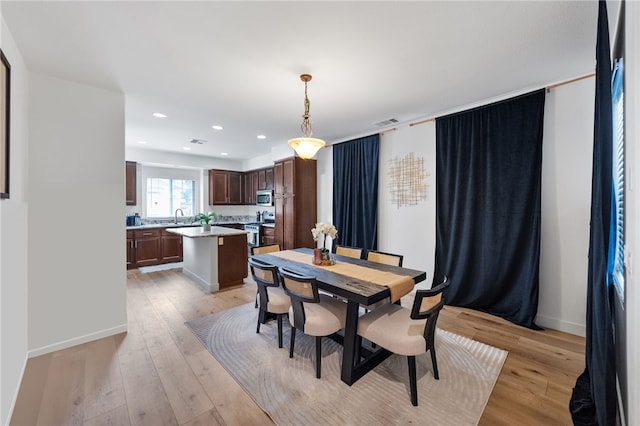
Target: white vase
206	227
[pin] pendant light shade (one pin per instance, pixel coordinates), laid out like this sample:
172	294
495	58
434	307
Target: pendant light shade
306	146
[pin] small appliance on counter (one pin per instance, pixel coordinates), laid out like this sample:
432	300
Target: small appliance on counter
134	220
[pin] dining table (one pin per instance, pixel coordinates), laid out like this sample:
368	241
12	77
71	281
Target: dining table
359	282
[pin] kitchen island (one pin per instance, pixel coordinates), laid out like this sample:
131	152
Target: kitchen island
215	259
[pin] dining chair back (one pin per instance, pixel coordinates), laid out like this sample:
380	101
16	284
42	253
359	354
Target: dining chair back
268	248
354	252
271	299
385	258
312	313
394	328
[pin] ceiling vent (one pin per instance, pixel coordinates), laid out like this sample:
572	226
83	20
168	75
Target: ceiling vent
198	141
387	122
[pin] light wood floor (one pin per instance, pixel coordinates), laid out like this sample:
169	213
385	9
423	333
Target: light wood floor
159	374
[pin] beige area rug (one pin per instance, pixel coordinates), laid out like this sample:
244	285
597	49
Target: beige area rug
288	391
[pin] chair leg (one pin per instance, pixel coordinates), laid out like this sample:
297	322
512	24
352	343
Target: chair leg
292	341
434	362
258	327
318	355
412	380
279	331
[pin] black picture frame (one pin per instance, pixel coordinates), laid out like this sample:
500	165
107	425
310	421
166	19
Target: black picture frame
5	114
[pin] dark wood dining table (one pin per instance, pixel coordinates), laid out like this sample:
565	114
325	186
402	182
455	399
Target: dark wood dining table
357	292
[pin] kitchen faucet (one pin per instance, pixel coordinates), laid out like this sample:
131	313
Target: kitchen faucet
181	214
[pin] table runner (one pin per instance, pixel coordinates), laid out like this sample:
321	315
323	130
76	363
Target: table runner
399	285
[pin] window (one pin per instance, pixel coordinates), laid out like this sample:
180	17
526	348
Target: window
165	195
615	264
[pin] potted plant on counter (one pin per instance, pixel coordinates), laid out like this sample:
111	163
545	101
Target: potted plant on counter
205	219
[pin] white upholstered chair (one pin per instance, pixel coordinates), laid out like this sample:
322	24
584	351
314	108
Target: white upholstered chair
408	332
272	300
312	313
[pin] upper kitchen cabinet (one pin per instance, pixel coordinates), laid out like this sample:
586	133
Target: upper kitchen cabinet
265	178
130	178
295	195
250	187
225	187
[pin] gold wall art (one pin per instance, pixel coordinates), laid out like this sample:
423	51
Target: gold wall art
407	180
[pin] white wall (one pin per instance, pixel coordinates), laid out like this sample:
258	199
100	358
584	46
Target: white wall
566	206
409	230
77	279
13	239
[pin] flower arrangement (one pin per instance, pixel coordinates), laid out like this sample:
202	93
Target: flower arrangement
324	230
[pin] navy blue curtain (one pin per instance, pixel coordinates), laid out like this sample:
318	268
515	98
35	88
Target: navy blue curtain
600	350
355	192
488	190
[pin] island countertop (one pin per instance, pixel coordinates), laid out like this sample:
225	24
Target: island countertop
199	232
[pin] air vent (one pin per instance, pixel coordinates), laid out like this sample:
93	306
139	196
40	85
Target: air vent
387	122
198	141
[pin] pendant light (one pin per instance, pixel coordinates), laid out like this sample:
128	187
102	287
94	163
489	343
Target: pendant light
306	146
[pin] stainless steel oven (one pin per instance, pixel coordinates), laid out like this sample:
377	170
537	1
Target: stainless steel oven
253	237
264	198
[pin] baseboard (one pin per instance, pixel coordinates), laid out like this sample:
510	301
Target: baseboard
561	325
15	394
77	341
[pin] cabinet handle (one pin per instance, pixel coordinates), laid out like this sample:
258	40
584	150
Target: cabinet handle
148	233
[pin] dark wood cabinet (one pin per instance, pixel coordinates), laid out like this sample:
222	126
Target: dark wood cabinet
130	183
131	250
148	247
268	235
232	267
268	178
171	247
295	194
152	246
250	187
225	187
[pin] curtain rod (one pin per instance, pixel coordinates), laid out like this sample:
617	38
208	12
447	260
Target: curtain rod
548	88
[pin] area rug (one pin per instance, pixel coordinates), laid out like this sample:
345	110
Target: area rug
288	391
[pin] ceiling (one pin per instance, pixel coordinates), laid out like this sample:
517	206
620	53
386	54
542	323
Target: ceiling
237	64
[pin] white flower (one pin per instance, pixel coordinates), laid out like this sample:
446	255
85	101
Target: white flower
322	230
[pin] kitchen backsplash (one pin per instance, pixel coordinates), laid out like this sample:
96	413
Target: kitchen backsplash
189	219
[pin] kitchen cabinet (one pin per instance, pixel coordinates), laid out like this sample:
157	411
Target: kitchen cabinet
131	250
130	183
225	187
250	187
171	247
295	194
265	179
268	235
232	254
152	246
148	247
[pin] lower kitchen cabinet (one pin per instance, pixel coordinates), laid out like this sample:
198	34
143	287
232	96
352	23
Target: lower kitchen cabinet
152	246
131	250
148	247
171	247
268	235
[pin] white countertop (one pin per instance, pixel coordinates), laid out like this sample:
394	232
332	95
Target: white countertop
199	232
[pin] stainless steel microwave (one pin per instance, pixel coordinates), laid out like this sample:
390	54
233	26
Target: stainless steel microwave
264	197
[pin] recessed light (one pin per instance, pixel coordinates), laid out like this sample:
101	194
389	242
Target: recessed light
159	115
186	148
216	127
224	153
262	137
142	142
